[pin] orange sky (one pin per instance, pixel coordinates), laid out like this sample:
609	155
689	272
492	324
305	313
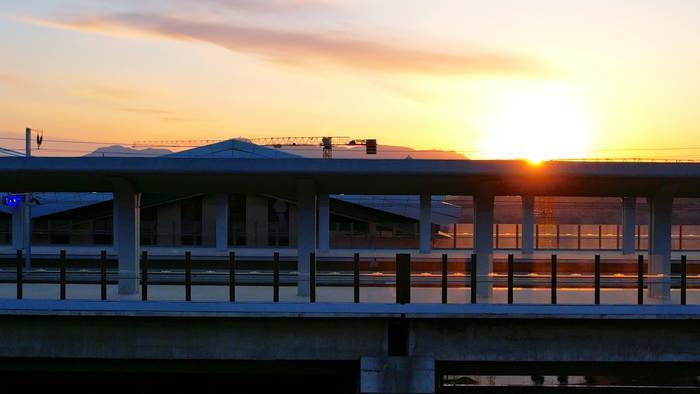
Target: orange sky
536	79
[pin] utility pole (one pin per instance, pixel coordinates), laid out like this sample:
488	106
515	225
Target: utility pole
27	211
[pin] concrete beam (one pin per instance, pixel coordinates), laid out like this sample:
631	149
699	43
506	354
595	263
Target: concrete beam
483	242
324	222
127	202
660	208
222	213
306	232
425	226
629	222
528	229
349	336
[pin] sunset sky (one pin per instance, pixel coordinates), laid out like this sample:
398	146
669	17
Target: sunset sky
537	79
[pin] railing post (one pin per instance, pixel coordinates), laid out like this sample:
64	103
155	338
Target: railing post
444	278
473	273
596	280
144	276
188	276
511	263
232	276
403	278
103	275
276	277
554	278
312	277
640	279
20	274
356	277
62	273
684	278
578	236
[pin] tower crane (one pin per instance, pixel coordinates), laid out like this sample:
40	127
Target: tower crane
326	143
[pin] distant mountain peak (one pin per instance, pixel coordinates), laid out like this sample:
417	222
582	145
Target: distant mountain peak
124	151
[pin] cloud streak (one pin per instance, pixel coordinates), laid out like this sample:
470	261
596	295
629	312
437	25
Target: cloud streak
310	49
267	6
12	80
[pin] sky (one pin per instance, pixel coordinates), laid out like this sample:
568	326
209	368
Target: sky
537	79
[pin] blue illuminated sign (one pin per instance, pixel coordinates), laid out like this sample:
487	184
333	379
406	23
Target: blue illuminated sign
13	200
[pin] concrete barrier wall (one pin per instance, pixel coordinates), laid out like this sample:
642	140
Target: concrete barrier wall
191	338
348	338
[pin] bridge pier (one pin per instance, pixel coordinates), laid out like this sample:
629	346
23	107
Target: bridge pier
424	230
660	208
483	242
306	232
324	222
528	229
397	375
629	219
126	228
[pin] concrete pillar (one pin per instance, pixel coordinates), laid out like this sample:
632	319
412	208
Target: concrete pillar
221	221
660	207
397	375
483	242
425	227
17	228
324	222
127	203
27	231
528	230
629	216
306	232
115	222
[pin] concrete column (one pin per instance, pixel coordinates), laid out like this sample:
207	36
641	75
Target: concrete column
27	231
629	216
17	228
397	375
221	221
127	203
306	232
324	222
424	231
528	230
115	222
660	207
483	242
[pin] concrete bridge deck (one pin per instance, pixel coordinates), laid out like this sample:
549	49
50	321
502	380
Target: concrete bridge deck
397	348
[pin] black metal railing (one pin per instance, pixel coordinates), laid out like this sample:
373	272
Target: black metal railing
467	279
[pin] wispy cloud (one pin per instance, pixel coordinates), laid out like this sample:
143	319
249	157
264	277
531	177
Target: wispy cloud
149	111
272	5
162	114
107	92
310	49
12	80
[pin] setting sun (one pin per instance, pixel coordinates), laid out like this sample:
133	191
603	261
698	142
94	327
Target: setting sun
537	124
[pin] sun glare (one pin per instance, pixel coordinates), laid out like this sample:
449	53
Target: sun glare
537	125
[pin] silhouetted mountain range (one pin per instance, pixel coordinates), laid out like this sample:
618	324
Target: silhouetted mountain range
339	152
